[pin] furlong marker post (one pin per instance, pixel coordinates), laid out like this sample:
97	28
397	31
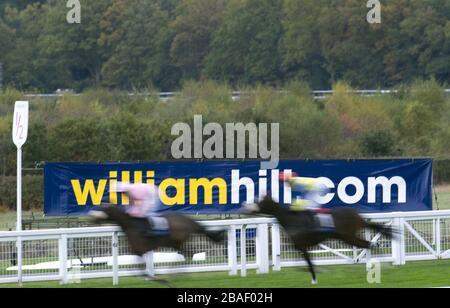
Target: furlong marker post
19	136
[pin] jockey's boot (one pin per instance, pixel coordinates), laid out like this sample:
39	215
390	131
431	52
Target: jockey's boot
150	231
159	226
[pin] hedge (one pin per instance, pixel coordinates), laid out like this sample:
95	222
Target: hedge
32	192
441	171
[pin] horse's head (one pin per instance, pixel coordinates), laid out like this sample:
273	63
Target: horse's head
110	214
264	206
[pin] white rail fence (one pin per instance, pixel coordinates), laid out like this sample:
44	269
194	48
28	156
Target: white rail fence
69	255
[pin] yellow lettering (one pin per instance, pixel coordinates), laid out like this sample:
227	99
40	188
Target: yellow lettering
150	177
138	177
207	185
112	187
125	179
89	190
178	199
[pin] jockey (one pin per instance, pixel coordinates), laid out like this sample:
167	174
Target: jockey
144	203
310	188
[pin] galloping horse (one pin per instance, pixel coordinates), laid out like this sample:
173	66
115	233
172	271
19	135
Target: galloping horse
138	230
303	230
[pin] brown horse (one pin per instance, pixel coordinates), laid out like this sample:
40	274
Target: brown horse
139	233
304	231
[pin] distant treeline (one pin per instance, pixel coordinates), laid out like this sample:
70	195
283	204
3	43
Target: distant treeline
145	44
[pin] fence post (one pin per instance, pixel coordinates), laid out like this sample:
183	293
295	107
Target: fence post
395	243
19	259
276	247
438	237
244	251
398	244
149	264
62	244
433	235
262	248
232	254
368	251
115	255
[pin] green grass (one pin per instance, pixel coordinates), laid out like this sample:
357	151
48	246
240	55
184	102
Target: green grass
411	275
443	195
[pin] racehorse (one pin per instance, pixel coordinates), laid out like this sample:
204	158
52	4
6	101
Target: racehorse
139	233
303	229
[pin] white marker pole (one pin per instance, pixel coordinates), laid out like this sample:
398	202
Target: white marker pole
19	135
19	190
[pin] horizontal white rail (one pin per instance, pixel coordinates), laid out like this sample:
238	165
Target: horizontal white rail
94	231
429	214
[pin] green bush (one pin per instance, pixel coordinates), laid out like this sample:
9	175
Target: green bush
441	171
32	192
378	144
7	100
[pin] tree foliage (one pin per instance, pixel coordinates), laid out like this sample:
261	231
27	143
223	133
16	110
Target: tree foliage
141	44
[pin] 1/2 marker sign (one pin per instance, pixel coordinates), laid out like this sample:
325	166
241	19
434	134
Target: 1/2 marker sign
20	124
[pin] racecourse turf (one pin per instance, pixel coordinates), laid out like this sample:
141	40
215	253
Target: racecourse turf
412	275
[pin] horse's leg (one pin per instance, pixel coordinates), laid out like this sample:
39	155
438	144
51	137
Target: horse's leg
310	266
355	241
149	273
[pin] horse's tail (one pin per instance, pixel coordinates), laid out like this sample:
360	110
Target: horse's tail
215	236
387	231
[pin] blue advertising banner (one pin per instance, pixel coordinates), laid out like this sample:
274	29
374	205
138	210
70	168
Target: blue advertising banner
213	187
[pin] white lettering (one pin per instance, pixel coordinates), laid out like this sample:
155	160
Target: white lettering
236	183
386	184
342	190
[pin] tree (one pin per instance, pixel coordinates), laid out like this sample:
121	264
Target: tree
74	47
193	27
349	44
18	4
140	47
416	43
6	40
300	46
245	48
330	40
24	65
162	43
